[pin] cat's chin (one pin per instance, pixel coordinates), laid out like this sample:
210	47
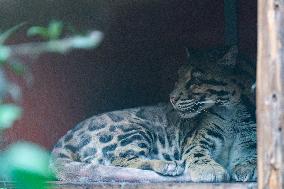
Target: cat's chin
187	115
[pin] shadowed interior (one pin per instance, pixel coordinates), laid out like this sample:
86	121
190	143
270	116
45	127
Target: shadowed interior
135	65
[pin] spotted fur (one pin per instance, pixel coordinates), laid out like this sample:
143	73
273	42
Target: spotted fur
205	134
213	92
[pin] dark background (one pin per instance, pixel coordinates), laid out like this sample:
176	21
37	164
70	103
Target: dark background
135	65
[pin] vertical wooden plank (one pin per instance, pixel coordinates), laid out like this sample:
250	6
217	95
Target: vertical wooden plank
270	94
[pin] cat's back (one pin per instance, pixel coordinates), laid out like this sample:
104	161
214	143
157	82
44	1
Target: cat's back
104	127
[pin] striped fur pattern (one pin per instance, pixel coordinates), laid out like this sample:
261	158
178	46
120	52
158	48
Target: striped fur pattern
212	91
206	133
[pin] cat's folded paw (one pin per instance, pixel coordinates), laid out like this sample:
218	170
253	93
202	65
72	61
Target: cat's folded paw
245	171
173	168
207	172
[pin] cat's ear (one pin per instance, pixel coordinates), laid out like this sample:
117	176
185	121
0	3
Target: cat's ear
230	57
183	69
191	53
187	53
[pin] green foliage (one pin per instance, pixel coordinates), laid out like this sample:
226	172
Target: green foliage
27	164
77	42
24	163
4	54
9	113
17	67
52	32
5	51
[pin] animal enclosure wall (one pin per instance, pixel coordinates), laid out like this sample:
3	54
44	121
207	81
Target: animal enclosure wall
135	65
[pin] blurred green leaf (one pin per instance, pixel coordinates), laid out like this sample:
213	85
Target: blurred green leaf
27	165
55	29
17	67
9	113
38	31
4	54
4	36
52	32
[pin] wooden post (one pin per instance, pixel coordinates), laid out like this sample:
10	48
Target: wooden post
270	94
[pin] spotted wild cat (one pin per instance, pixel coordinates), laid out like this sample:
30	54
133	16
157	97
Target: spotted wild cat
206	133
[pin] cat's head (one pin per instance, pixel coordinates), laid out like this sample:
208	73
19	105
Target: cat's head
205	81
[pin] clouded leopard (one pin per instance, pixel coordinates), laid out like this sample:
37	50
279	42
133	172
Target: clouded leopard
206	133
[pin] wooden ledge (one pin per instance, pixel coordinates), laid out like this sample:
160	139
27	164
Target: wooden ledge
62	185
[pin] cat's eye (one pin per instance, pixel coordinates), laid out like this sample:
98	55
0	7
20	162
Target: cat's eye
197	74
188	84
197	81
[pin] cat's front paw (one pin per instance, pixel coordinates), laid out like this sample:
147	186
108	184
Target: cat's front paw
172	168
207	172
245	171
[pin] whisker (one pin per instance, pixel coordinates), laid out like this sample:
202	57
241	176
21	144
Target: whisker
187	101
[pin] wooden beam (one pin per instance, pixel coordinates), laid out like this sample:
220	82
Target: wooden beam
270	94
168	185
160	186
